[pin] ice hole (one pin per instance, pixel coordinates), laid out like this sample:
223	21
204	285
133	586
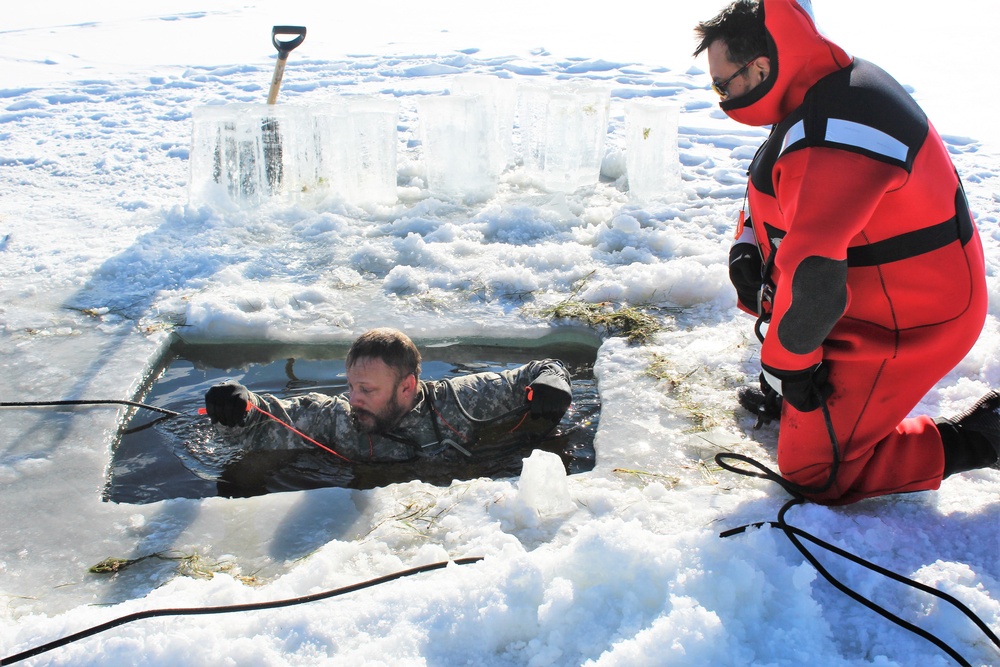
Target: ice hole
156	457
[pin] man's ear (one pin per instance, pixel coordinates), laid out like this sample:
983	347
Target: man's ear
761	68
408	386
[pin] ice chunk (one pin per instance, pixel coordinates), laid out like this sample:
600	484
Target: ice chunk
460	143
576	132
373	125
563	131
543	486
357	143
501	94
651	156
532	114
249	152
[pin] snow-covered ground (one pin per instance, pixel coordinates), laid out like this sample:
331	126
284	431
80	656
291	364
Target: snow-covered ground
102	257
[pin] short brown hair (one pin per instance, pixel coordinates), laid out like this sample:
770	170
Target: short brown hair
391	346
740	26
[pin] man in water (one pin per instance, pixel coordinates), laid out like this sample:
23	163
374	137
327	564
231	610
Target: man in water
390	415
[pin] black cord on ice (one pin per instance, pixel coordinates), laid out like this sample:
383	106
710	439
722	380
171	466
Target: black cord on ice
254	606
793	534
167	414
49	404
796	490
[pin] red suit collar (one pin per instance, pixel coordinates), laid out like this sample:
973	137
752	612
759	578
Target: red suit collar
800	56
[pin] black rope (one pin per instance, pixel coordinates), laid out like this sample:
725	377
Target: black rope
253	606
793	534
792	488
48	404
166	414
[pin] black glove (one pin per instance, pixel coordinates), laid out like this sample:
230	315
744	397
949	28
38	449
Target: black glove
228	403
549	396
804	390
745	266
764	402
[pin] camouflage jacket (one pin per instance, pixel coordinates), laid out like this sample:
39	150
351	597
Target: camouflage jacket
470	416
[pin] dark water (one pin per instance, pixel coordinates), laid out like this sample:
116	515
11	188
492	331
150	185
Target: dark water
181	457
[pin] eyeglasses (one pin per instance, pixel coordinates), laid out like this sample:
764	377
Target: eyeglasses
721	87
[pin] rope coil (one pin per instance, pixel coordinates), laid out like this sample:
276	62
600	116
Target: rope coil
794	534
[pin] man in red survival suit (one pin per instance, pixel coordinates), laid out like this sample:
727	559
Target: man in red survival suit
860	256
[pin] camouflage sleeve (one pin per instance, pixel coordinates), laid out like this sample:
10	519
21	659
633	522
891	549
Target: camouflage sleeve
489	395
323	418
552	372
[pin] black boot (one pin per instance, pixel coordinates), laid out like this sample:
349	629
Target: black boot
972	439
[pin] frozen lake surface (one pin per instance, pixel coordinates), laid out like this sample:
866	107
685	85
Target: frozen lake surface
104	256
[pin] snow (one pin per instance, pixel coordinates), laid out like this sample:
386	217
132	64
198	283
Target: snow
101	257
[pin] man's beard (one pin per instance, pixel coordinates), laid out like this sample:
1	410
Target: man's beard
380	422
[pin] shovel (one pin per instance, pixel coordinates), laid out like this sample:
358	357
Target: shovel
284	48
237	155
270	131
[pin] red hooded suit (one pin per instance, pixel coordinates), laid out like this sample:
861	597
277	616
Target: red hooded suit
874	261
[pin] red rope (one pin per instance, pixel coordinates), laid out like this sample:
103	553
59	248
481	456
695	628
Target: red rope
460	435
521	421
252	406
443	421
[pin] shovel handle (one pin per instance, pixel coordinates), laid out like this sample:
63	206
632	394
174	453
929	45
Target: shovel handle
287	45
284	47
